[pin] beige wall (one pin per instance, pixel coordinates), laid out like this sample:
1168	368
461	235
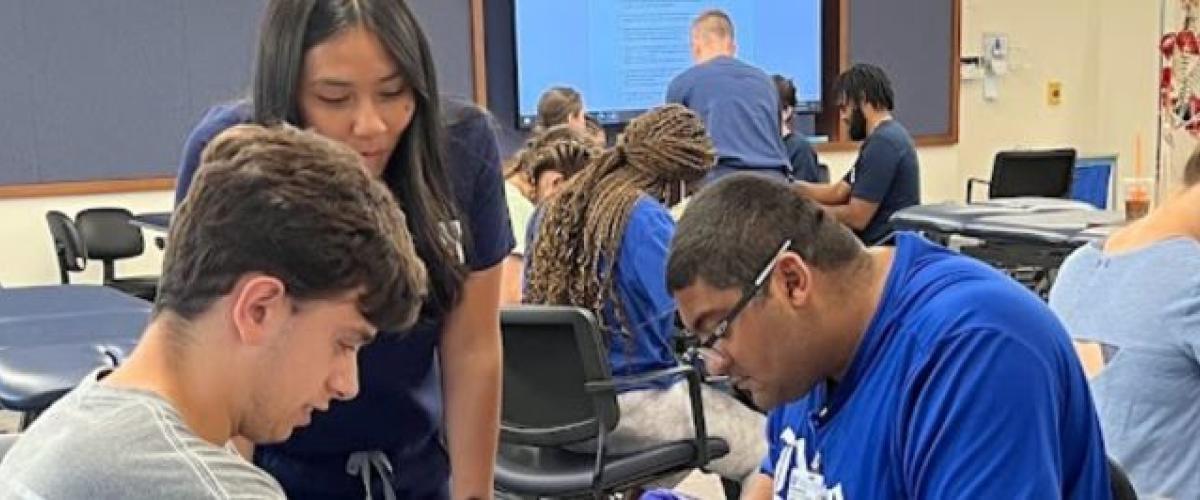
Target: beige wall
1127	83
1103	52
1048	41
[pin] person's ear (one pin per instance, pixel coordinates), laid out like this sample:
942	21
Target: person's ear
260	306
793	279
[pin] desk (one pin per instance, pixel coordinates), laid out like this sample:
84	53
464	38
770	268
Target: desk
72	329
33	378
53	300
1042	221
52	336
1026	237
63	314
153	221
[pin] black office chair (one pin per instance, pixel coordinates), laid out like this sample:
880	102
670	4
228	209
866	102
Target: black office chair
1122	488
6	443
109	236
1045	173
68	245
558	391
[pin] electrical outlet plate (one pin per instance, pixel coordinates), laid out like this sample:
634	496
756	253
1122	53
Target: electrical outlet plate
1054	92
995	46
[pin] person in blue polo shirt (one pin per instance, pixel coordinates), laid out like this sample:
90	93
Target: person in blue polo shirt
361	72
886	176
736	100
892	372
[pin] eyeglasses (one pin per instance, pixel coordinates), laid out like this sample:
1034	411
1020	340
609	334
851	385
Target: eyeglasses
706	350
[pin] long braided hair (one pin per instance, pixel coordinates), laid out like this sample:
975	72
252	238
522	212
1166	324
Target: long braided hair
577	244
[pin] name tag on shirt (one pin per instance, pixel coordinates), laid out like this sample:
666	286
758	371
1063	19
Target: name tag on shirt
797	480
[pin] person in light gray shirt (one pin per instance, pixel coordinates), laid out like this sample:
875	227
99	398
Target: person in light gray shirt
103	441
1132	305
285	258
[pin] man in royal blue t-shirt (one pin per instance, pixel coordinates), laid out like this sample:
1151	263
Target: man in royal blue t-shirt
737	101
886	176
891	372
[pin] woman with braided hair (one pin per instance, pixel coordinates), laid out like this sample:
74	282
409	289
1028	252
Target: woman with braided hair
601	243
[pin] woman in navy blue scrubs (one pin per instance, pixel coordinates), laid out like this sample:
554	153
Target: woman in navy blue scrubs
360	71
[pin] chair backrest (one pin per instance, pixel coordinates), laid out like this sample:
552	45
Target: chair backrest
550	354
1122	488
68	245
108	234
6	443
1044	173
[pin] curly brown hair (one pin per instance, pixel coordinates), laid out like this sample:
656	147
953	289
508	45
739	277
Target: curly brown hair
301	208
575	252
560	148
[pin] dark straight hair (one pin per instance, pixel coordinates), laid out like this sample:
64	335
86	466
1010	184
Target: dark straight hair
865	83
416	173
787	92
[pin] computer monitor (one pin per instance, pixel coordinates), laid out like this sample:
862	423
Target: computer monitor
621	54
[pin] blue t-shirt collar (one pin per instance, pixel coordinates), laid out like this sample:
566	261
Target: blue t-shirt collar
908	247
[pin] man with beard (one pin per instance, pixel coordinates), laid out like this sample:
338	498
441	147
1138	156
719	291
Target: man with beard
886	176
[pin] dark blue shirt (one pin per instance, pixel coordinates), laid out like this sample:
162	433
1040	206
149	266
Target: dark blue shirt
640	277
964	385
740	106
886	172
803	159
398	409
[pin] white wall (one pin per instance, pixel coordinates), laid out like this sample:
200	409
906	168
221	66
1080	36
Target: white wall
27	251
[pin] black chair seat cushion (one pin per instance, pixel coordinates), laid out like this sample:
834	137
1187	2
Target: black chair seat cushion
143	287
524	470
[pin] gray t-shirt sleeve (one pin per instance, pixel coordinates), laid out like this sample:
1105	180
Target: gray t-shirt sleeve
105	442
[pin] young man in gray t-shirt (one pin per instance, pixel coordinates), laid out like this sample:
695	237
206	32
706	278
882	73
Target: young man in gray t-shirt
285	258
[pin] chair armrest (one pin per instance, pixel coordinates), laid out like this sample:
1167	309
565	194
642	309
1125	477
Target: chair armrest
617	382
694	397
971	182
